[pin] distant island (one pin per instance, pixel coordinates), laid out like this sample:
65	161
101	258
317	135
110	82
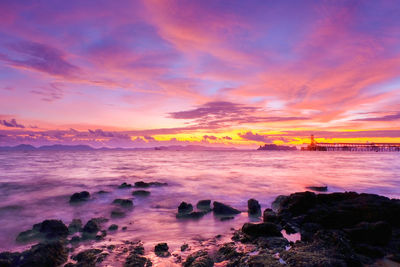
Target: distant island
273	147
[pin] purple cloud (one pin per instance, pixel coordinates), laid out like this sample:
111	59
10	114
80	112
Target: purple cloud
393	117
213	115
255	137
210	137
11	123
40	57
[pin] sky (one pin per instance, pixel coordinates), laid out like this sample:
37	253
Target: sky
216	73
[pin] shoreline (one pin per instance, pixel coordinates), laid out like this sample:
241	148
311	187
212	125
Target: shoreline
332	229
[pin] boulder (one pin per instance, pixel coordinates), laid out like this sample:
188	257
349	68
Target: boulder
199	259
117	213
125	203
185	208
318	188
142	184
124	185
222	209
141	193
92	227
270	216
113	227
261	229
191	215
75	226
254	207
79	197
89	257
161	250
48	229
204	205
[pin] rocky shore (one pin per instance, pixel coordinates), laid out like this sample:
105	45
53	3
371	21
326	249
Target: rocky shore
301	229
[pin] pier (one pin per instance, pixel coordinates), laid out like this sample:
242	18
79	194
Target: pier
375	147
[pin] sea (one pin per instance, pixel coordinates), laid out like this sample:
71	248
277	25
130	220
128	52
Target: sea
37	185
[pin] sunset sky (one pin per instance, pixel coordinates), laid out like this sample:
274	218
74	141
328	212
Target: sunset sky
216	73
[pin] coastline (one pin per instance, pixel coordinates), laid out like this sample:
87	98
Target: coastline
301	229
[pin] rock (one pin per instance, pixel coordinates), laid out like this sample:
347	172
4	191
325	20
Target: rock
277	203
141	193
101	192
125	203
113	227
75	226
40	255
270	216
88	257
75	239
204	205
228	252
185	208
261	229
378	233
318	188
273	243
124	228
135	260
79	197
192	215
184	247
124	185
199	259
263	260
161	250
222	209
254	207
92	227
116	213
48	229
226	218
145	185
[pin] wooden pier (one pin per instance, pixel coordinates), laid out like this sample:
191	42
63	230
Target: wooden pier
375	147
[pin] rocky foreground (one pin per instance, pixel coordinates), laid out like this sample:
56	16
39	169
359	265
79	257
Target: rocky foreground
337	229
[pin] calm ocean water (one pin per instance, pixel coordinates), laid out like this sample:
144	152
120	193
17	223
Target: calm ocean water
36	185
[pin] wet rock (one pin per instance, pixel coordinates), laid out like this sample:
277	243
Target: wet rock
146	185
88	257
113	227
101	192
277	203
79	197
263	260
92	227
141	193
199	259
192	215
328	248
161	250
272	243
226	218
318	188
270	216
378	233
185	208
228	252
135	260
75	226
48	229
124	185
204	205
125	203
124	228
75	239
117	213
222	209
184	247
40	255
261	229
254	207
